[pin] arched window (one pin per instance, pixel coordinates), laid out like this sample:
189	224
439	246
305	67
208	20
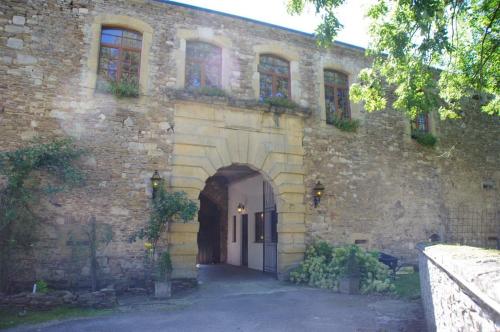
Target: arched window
274	77
203	65
120	55
336	96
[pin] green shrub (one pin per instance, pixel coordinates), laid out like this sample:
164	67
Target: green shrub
124	87
209	91
343	124
424	138
280	102
324	265
41	287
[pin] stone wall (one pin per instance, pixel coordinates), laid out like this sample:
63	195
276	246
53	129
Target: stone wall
380	185
459	288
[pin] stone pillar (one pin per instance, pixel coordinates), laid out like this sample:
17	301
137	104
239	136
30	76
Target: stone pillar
183	247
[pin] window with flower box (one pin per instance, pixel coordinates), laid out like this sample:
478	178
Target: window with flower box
119	57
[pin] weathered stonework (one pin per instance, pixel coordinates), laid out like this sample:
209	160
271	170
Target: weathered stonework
460	290
381	186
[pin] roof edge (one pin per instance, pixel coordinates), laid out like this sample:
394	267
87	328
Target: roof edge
216	12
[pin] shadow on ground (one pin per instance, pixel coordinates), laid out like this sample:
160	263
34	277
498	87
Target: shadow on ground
236	299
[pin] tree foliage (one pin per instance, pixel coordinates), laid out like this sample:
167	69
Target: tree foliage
433	54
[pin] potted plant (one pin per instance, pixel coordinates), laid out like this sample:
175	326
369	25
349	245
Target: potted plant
350	282
163	284
166	207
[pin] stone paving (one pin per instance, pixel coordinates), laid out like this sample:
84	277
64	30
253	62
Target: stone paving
236	299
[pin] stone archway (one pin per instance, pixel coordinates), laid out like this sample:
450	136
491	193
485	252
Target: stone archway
209	137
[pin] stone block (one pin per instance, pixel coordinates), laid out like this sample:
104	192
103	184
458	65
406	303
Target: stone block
15	43
119	211
14	29
284	227
24	59
19	20
6	60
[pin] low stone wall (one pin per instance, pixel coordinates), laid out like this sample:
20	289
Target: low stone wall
460	287
105	298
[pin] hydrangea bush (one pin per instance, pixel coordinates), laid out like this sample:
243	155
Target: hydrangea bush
324	265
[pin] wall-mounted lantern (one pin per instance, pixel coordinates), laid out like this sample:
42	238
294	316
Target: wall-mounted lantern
240	208
318	191
155	182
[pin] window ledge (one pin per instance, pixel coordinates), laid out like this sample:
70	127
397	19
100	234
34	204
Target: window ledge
191	95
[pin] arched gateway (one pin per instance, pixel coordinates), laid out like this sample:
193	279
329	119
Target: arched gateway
238	220
213	141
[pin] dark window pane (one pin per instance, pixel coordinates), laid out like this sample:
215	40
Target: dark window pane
266	86
132	43
274	64
422	122
234	228
203	65
132	34
335	78
131	57
331	107
213	75
336	95
109	53
259	227
343	103
119	62
274	77
193	75
282	87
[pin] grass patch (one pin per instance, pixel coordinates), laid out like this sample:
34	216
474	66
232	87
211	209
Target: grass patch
210	91
407	286
348	125
281	102
124	88
10	318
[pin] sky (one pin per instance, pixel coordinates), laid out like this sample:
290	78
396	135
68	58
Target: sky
351	15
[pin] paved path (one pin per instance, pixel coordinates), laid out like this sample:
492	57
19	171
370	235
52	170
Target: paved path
234	299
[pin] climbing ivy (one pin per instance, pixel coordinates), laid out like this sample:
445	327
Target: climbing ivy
27	174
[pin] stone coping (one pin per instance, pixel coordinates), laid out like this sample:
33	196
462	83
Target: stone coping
476	269
228	101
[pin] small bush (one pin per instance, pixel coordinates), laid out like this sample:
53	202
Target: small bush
124	87
280	102
343	124
164	266
424	138
41	287
209	91
324	265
